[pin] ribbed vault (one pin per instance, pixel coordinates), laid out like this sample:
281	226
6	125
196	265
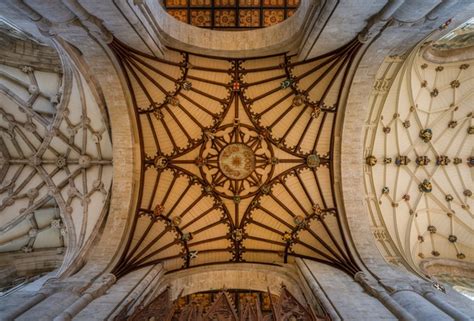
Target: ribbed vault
55	159
236	159
419	161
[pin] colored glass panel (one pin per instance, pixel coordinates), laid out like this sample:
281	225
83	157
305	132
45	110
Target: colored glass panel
290	12
293	3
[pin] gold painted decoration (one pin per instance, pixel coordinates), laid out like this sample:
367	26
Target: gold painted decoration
200	18
371	160
200	3
231	166
224	18
237	161
179	14
236	168
273	16
231	14
249	18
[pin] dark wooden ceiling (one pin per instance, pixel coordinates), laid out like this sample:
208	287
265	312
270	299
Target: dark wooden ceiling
192	209
231	14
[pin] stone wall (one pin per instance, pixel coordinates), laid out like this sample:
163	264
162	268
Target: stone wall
24	52
347	298
396	38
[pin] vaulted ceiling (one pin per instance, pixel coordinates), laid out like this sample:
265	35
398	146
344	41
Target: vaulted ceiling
27	216
55	154
420	160
236	159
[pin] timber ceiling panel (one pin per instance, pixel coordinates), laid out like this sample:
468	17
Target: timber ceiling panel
231	14
237	159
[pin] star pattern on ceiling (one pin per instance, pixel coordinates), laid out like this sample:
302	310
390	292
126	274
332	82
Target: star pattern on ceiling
236	159
420	158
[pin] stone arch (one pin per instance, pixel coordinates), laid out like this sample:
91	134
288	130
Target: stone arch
281	37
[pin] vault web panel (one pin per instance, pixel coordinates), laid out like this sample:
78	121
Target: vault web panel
237	160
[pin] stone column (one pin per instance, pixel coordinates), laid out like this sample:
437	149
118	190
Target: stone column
440	9
42	23
380	18
128	292
316	289
420	299
378	292
90	22
59	296
98	288
345	298
418	306
447	308
145	287
25	306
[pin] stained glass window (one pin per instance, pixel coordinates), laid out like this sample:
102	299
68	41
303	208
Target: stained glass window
231	14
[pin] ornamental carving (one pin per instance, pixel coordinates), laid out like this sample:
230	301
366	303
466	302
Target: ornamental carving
426	135
227	305
371	160
422	160
425	186
55	159
426	202
237	159
231	166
